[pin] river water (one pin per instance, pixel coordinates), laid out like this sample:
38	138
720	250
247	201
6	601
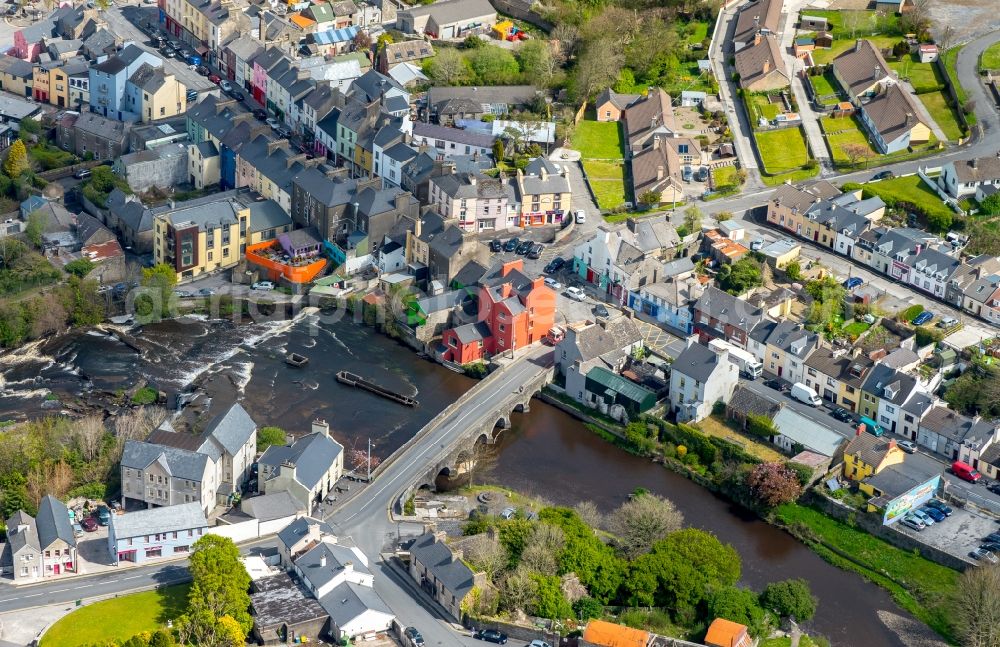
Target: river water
545	453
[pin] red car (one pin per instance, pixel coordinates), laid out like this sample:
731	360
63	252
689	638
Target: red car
214	78
89	524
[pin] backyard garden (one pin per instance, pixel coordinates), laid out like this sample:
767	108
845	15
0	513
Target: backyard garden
784	156
600	145
911	193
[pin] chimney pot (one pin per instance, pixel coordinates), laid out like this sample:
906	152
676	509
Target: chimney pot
322	560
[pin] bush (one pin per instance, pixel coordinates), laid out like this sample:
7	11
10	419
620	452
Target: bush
145	395
268	436
475	369
80	267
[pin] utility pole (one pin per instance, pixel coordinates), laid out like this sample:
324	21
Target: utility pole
369	459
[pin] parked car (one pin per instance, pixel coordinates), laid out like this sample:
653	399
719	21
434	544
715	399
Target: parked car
871	426
703	174
525	247
922	318
552	283
89	524
965	472
884	175
82	173
262	285
757	245
601	311
983	555
842	414
77	530
538	643
687	173
215	78
913	522
192	95
554	265
491	636
535	252
993	537
947	322
581	216
226	85
237	95
907	446
206	292
511	244
853	282
259	114
496	246
103	515
934	514
414	636
273	123
994	487
576	294
940	506
991	546
777	385
202	70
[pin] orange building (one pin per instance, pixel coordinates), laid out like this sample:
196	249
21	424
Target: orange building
514	311
726	633
294	256
608	634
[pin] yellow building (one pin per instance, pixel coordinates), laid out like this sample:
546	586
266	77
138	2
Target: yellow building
867	454
363	154
206	25
155	94
201	236
203	164
15	75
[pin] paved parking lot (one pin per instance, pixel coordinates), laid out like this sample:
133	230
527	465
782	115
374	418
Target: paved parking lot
960	533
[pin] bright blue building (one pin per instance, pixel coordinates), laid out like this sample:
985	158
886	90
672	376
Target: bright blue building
154	533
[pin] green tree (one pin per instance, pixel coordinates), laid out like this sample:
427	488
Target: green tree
741	276
30	126
220	583
267	436
160	278
534	57
794	270
473	42
790	599
81	267
549	601
739	605
231	634
723	216
587	607
514	534
650	198
162	638
626	81
692	219
498	150
14	489
493	65
593	561
17	160
991	205
939	220
448	67
34	228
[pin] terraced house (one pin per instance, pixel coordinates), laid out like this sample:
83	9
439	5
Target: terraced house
42	546
838	376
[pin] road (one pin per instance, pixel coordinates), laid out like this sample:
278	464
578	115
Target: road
810	120
821	415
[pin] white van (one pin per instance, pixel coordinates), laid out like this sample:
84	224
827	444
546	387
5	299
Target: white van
581	216
805	395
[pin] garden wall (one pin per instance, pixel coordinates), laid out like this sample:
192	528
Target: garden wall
952	94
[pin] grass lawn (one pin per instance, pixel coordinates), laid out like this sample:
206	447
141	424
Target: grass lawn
782	150
804	641
950	61
946	119
841	132
716	426
910	189
841	45
118	619
824	85
725	176
918	585
598	139
990	60
922	76
798	175
698	31
607	179
863	27
855	328
758	106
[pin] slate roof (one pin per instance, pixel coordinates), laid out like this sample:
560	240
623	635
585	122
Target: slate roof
408	50
457	135
337	557
136	217
871	448
594	340
27	537
456	577
756	16
893	113
267	214
554	182
232	429
948	423
729	309
746	401
15	67
349	600
467	185
278	601
788	335
982	169
617	99
883	377
649	113
760	59
898	479
448	12
171	518
697	362
440	98
291	533
180	463
312	456
843	367
861	67
52	523
473	332
102	127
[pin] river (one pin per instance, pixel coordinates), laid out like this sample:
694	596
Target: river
546	452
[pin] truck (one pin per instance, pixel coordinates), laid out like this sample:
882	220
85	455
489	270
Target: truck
965	472
750	366
805	395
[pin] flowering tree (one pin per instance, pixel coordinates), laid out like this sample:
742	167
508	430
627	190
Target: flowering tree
774	484
358	459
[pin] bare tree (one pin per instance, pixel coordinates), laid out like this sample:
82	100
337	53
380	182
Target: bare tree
947	37
598	67
487	554
137	423
482	458
590	514
642	521
854	20
543	548
857	153
976	607
50	478
88	434
517	590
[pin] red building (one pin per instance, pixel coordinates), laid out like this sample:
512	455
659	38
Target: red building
514	311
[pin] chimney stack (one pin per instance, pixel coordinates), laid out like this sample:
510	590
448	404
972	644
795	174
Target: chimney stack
659	173
767	66
857	45
320	426
322	560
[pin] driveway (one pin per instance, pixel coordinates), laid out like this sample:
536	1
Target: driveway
810	120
